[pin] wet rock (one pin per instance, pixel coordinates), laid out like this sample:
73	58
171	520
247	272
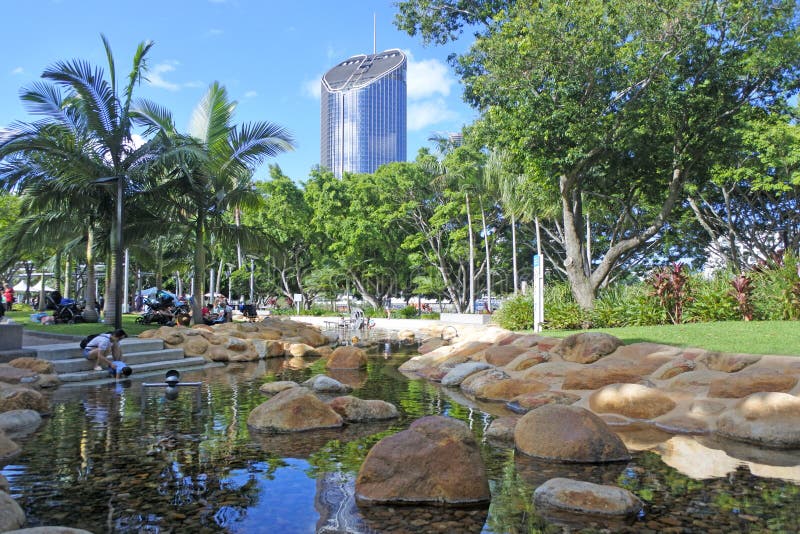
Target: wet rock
4	485
195	346
767	419
463	370
406	335
293	410
576	496
43	367
693	381
11	515
14	375
300	350
705	407
500	355
436	461
8	449
431	344
478	381
744	384
568	434
631	400
19	423
595	378
673	368
471	349
47	381
502	429
586	347
682	424
505	390
273	388
354	378
434	374
347	357
727	363
356	410
552	371
13	397
531	401
326	384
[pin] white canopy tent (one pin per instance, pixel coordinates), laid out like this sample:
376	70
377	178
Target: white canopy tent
35	288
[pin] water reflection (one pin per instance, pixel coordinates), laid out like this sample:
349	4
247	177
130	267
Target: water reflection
115	458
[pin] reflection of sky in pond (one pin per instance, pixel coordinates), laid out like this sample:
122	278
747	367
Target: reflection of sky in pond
283	505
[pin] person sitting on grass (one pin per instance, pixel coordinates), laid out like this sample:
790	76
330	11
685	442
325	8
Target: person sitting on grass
104	348
119	369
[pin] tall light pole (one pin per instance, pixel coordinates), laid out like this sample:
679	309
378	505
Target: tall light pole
252	278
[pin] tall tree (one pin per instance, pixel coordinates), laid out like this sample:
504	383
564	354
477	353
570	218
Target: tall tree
618	101
208	172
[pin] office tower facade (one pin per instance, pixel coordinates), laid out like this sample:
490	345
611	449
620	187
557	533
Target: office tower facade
363	115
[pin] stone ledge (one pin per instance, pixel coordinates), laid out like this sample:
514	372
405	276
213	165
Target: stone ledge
466	318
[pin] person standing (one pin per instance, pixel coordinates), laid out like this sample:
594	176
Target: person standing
8	296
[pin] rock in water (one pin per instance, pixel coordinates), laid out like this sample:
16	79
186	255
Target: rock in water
435	461
293	410
767	419
576	496
568	434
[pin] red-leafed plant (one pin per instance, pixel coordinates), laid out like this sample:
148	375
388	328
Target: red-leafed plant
742	292
671	287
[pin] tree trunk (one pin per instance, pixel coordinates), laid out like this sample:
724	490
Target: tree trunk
90	310
199	271
488	261
471	259
514	253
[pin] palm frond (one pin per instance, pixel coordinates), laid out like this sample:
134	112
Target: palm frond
211	118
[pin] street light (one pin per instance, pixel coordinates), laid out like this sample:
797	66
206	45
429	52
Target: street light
252	277
116	245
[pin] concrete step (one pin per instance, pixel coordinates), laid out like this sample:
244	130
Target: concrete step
140	368
74	365
66	351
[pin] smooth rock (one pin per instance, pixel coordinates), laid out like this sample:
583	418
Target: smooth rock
531	401
478	381
19	423
43	367
326	384
505	390
300	350
500	355
17	397
431	344
673	368
461	371
502	429
435	461
15	375
586	347
347	357
766	419
11	515
293	410
577	496
272	388
355	410
8	449
743	384
568	434
631	400
596	378
528	359
727	363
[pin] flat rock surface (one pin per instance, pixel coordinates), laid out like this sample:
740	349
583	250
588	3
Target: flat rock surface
581	497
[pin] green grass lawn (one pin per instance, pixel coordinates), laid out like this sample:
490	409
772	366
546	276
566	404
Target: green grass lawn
757	337
79	329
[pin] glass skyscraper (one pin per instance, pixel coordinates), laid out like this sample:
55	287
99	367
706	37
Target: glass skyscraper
363	119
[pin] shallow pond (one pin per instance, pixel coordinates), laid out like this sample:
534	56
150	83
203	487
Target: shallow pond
121	458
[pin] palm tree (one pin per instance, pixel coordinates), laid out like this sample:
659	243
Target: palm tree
209	171
98	116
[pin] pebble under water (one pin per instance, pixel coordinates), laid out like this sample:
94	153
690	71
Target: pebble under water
121	458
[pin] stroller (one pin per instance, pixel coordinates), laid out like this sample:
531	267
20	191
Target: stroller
64	310
162	310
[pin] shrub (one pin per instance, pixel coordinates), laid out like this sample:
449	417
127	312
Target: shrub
409	312
430	315
561	312
712	300
515	313
776	290
671	288
626	305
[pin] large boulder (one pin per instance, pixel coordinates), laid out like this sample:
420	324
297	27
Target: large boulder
527	359
14	397
11	515
15	375
20	423
766	419
746	383
355	410
631	400
347	357
435	461
44	367
273	388
293	410
431	344
474	383
673	368
568	434
595	378
500	355
8	448
727	363
502	429
586	347
461	371
577	496
505	390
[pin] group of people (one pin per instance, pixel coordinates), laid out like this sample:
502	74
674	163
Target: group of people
221	312
105	352
7	299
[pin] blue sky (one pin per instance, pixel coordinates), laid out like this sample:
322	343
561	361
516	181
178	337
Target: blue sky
269	55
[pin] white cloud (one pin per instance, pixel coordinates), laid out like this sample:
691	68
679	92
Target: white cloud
194	84
429	112
18	70
154	76
312	88
250	94
427	78
215	31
